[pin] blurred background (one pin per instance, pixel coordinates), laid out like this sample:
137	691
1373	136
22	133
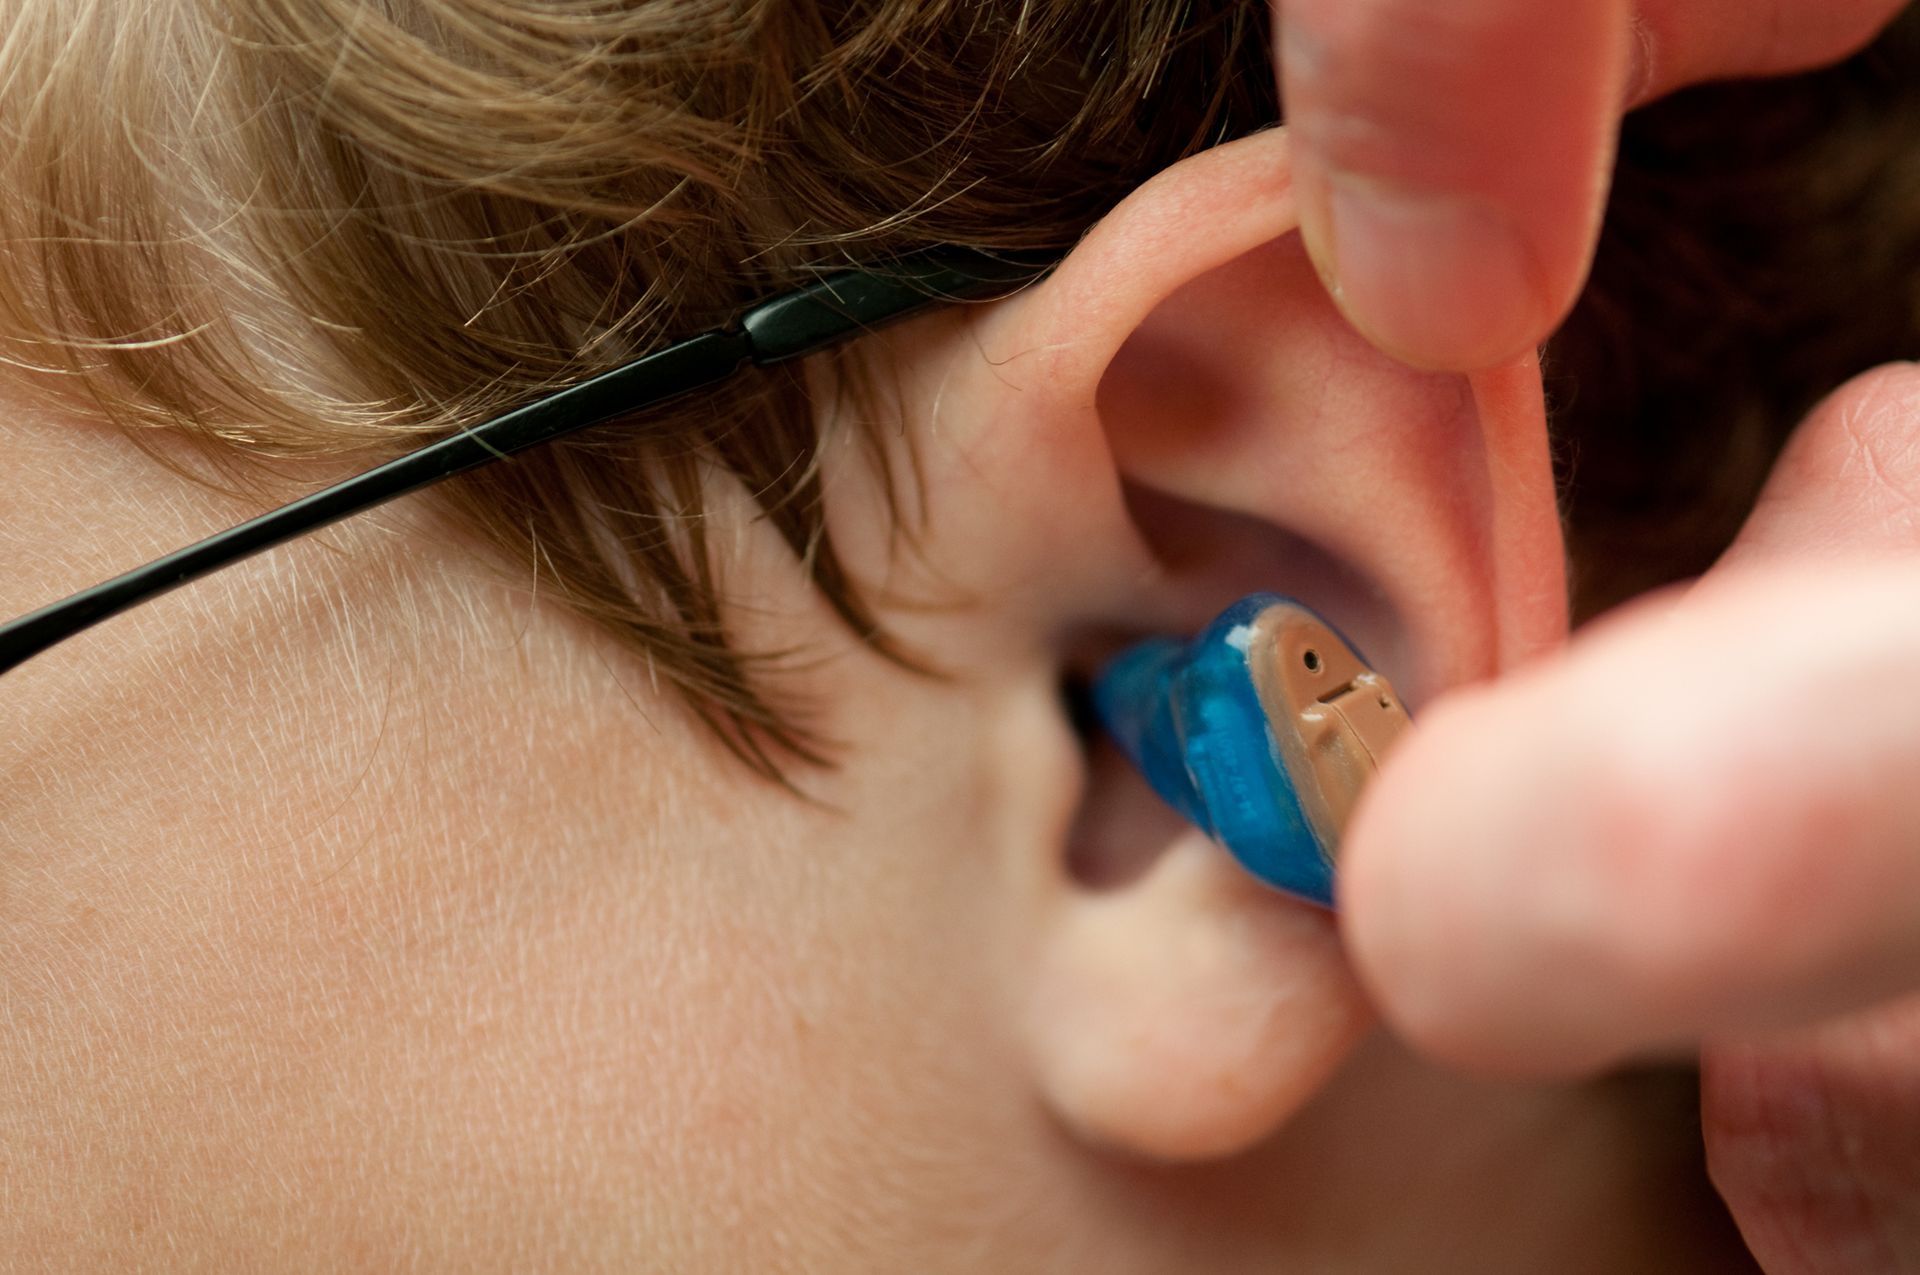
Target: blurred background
1762	246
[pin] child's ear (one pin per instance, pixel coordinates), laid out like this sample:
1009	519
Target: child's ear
1188	1013
1185	356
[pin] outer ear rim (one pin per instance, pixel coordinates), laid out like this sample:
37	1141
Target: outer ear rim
1242	190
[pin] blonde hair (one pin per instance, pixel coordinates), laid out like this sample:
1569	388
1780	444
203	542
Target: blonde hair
298	228
329	227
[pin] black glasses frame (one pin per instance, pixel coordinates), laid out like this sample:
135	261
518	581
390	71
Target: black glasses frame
833	309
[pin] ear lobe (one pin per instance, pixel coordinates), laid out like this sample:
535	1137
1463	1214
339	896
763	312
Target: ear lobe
1186	1015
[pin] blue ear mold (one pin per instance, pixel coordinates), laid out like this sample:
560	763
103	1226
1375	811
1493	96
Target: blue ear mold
1259	731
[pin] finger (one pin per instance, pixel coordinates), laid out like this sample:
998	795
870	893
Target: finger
1847	487
1451	160
1849	480
1679	42
1814	1139
1705	819
1814	1143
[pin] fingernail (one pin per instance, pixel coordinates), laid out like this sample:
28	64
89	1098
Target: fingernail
1438	281
1637	84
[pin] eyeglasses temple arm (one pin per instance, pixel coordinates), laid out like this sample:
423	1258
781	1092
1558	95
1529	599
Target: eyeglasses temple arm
801	322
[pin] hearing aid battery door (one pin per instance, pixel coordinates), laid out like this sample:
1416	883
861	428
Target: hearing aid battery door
1261	731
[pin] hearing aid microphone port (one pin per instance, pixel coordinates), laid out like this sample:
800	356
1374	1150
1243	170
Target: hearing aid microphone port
1333	718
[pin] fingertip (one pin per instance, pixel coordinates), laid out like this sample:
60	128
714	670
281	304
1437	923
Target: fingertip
1451	164
1413	896
1440	282
1630	847
1480	937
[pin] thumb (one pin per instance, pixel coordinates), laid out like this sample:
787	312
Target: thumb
1702	819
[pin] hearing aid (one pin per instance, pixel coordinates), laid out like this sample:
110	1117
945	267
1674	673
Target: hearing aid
1261	731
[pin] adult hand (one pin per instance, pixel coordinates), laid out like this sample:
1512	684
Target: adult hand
1699	829
1452	156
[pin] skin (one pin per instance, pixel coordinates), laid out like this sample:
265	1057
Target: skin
363	910
1718	838
1454	157
1695	832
